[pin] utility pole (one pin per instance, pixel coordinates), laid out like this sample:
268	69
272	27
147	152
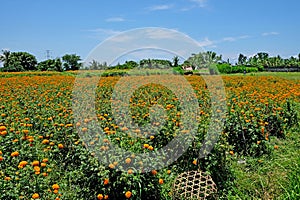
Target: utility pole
48	54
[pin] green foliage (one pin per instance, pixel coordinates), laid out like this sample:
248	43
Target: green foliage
203	60
18	61
155	64
71	62
50	65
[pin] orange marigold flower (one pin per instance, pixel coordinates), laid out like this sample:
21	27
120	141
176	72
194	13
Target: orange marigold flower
106	196
106	181
3	133
150	148
276	147
45	141
1	158
37	168
128	160
60	146
55	186
146	146
35	163
169	172
130	171
45	160
100	196
35	196
55	191
161	181
112	166
22	164
7	178
2	128
43	164
195	162
15	154
128	194
231	152
25	131
154	172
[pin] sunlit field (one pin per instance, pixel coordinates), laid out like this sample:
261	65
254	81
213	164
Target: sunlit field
42	155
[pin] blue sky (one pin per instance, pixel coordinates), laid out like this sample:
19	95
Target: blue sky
228	27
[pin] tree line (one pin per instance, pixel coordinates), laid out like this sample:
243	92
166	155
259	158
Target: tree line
24	61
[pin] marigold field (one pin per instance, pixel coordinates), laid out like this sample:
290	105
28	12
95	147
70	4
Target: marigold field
42	155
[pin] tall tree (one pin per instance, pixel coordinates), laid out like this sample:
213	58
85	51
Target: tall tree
71	62
175	61
242	59
5	57
50	65
20	61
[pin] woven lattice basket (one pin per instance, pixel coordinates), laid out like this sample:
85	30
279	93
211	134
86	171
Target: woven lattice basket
194	185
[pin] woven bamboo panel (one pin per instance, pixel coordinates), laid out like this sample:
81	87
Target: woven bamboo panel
194	185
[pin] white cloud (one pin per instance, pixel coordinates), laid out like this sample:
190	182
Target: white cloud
101	33
232	39
200	3
269	33
206	42
115	19
160	7
104	31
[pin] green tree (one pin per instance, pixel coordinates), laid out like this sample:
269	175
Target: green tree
71	62
175	61
20	61
5	57
242	59
50	65
204	59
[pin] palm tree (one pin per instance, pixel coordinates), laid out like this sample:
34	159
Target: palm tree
5	57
